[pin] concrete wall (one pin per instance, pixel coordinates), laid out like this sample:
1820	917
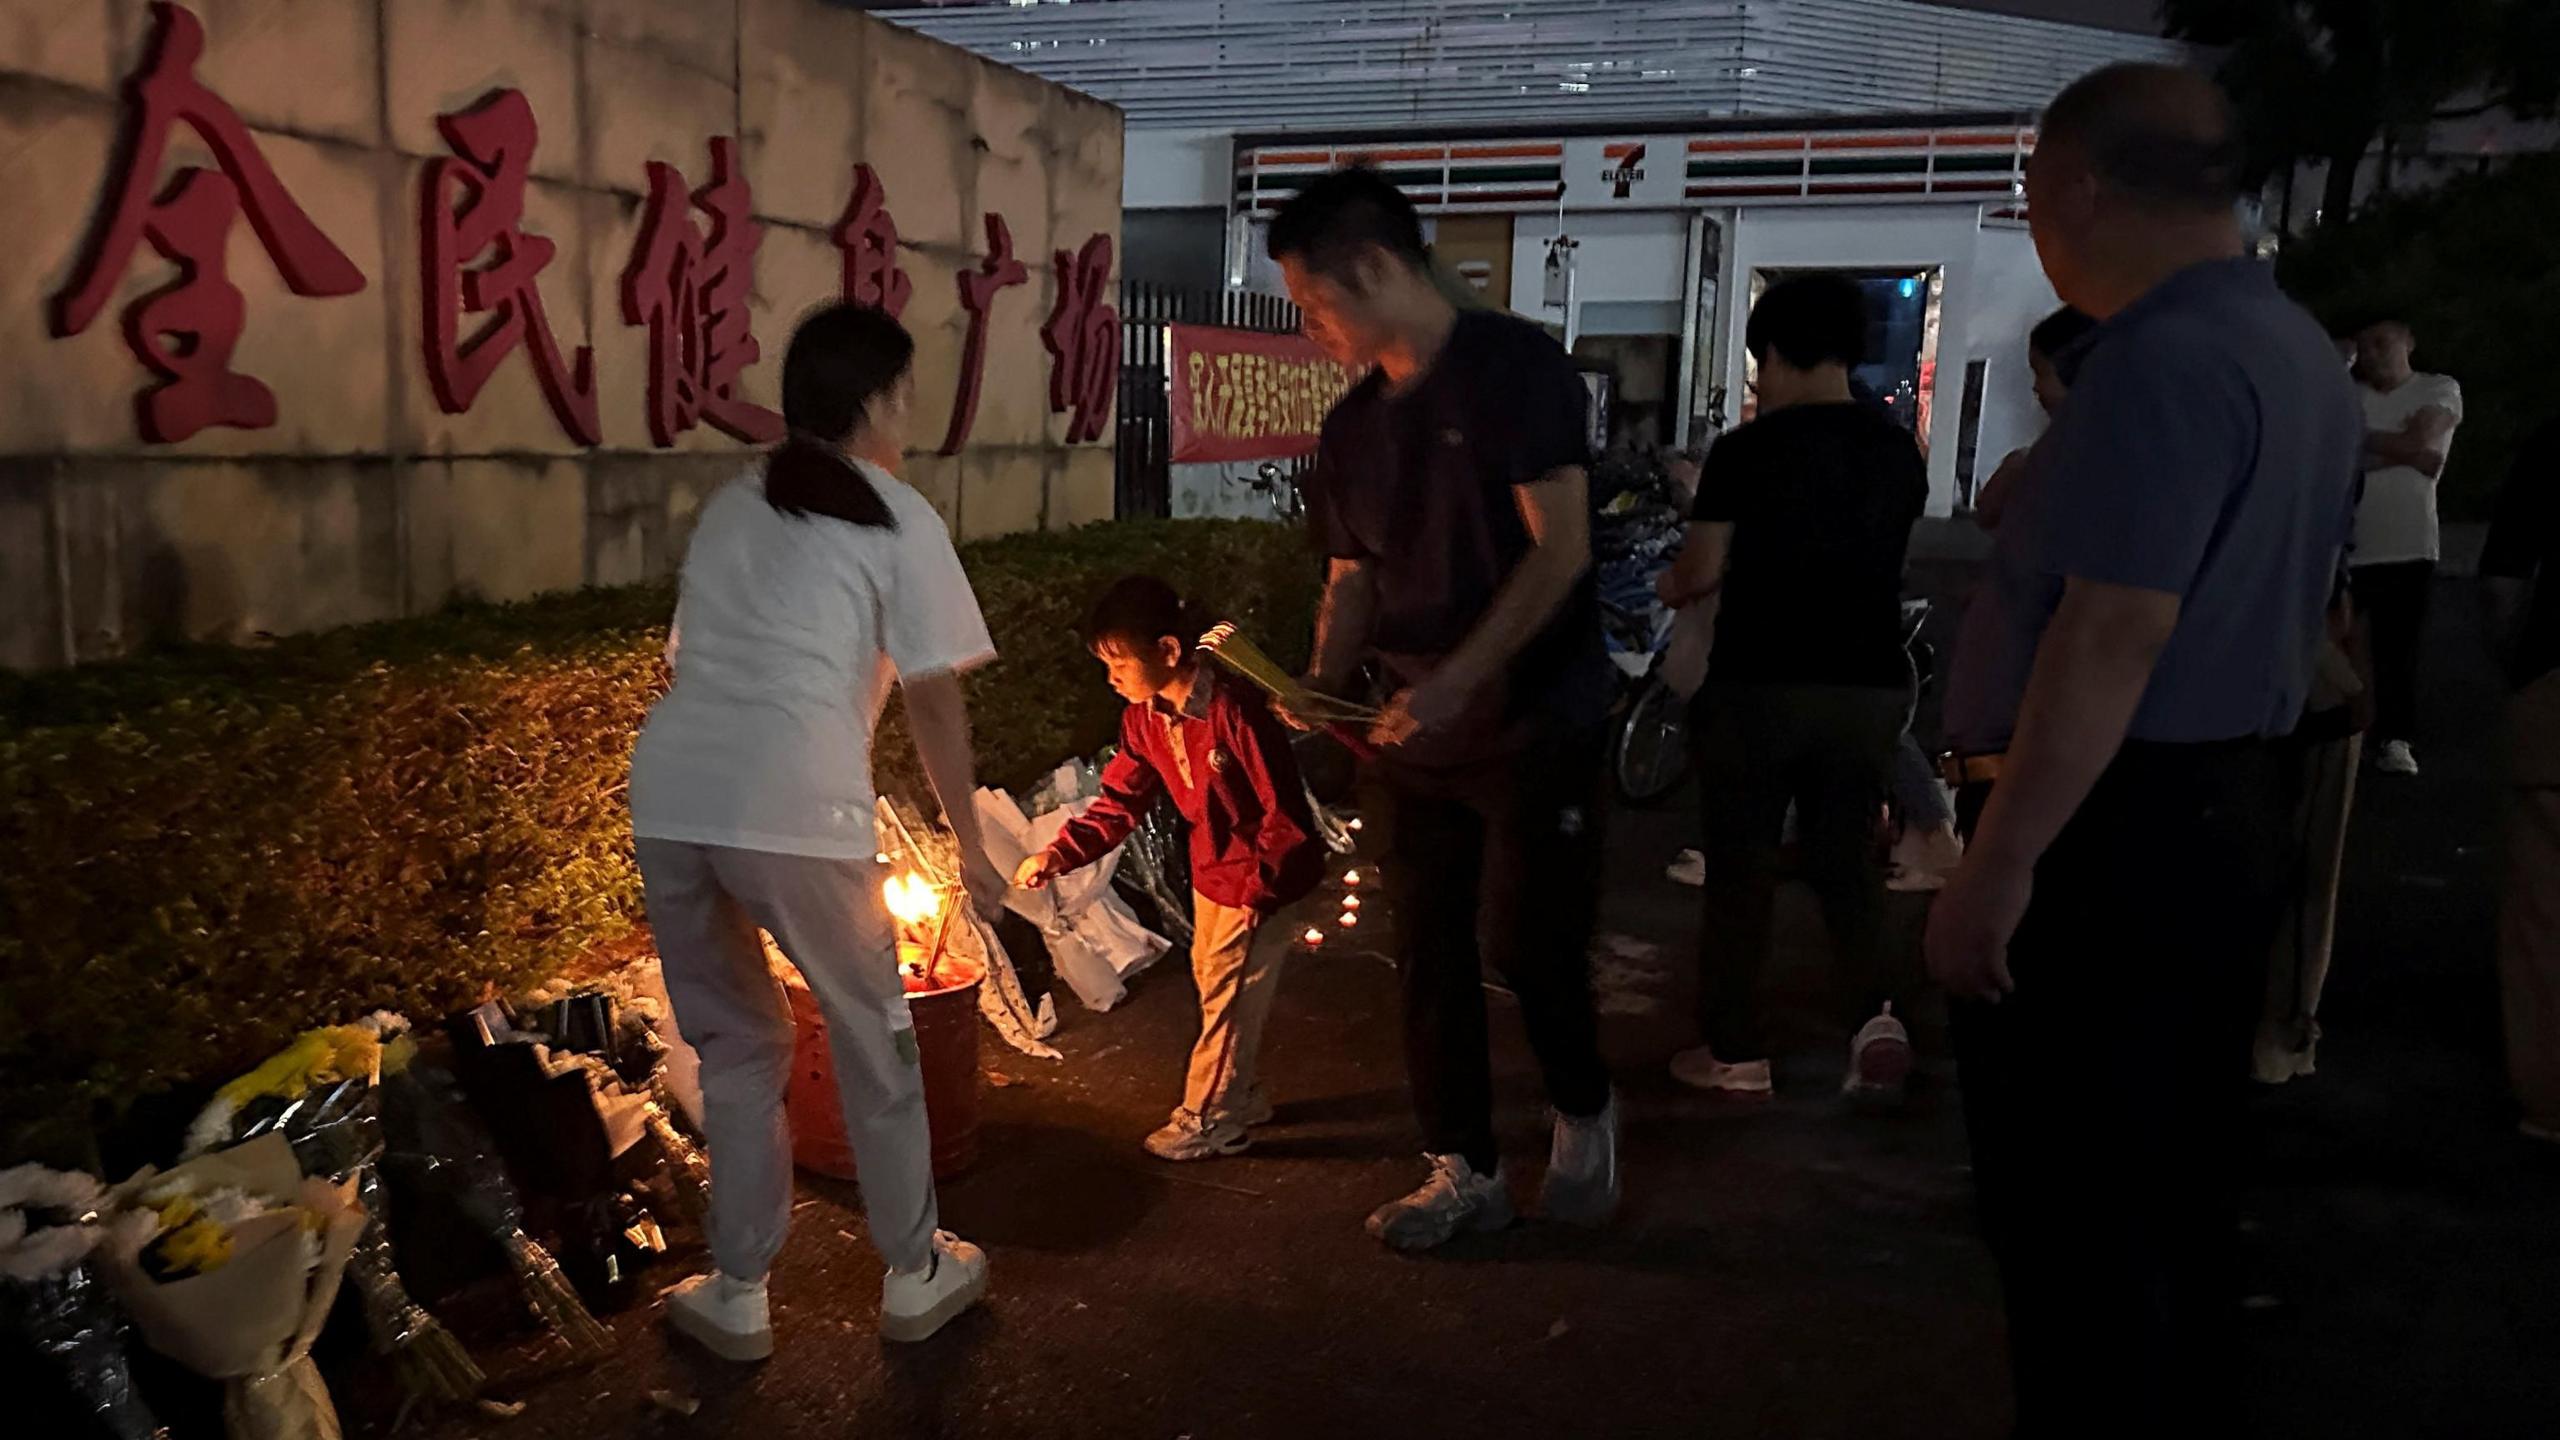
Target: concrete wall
365	501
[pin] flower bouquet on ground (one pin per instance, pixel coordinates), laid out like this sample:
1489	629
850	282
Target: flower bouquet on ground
576	1140
63	1333
322	1093
437	1152
229	1264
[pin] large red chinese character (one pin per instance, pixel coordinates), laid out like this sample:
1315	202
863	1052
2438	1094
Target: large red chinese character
977	296
473	203
1083	336
691	292
868	236
185	331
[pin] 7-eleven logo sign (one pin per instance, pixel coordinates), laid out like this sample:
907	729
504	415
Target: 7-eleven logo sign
1625	168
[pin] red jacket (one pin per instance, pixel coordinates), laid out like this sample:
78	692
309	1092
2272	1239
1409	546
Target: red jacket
1253	841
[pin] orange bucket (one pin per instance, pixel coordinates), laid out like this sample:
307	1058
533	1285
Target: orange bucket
946	1020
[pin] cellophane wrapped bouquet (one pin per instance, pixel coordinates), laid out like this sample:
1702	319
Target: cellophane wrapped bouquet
67	1331
229	1264
323	1094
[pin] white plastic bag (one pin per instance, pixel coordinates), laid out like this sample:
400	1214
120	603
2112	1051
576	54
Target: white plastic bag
1093	935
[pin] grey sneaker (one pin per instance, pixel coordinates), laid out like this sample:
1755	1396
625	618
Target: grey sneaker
1582	1169
1189	1136
1454	1200
1255	1109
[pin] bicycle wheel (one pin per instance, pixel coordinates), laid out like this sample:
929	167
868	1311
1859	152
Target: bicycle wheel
1650	755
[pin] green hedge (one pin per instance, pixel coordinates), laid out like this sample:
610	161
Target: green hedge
213	848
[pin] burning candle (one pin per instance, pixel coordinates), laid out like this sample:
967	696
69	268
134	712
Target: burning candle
1349	919
1350	877
1313	936
1350	902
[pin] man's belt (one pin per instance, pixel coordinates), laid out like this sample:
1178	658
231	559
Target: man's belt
1963	770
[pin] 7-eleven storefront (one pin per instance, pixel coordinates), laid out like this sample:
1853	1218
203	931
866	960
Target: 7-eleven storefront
1646	250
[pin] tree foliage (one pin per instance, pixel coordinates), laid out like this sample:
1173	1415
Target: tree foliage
2330	79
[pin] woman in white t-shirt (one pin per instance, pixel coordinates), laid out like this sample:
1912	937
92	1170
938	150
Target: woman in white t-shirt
811	583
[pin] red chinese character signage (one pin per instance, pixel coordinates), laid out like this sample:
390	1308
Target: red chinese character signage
978	296
1083	336
690	289
471	207
868	236
185	332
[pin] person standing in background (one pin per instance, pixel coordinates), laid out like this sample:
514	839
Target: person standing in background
2520	571
1798	534
2155	603
2409	418
2051	340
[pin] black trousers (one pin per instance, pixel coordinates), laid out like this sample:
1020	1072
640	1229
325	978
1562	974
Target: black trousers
1829	750
2103	1097
1494	863
2393	601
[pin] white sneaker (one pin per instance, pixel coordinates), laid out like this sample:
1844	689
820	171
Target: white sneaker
1189	1136
1699	1069
1689	867
2397	759
1879	1059
1454	1200
915	1304
1581	1187
729	1317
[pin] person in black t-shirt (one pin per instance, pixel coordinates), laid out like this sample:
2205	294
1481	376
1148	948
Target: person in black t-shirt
2520	570
1450	496
1797	538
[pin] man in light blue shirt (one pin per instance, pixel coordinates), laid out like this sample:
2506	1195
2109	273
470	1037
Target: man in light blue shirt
2156	599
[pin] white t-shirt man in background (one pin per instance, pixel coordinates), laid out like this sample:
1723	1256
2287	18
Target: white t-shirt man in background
2409	420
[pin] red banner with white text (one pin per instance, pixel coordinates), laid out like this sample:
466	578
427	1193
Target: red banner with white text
1244	395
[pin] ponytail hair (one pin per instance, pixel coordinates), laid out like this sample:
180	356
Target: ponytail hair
841	359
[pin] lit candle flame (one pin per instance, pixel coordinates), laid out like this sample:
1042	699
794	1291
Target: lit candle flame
1349	919
1313	936
910	897
1350	877
1350	902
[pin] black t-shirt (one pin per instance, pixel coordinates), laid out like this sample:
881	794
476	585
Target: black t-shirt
2524	544
1821	500
1420	486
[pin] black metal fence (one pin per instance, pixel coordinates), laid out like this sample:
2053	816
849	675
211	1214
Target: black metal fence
1145	458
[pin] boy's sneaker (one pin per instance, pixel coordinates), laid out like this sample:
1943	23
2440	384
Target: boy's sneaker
915	1304
1699	1069
1255	1108
1879	1059
1581	1187
2397	759
731	1318
1189	1136
1453	1201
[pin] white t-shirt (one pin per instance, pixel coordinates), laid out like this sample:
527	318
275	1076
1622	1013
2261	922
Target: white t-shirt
2397	519
792	630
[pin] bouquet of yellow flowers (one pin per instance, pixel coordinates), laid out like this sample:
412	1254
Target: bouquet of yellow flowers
322	1093
229	1264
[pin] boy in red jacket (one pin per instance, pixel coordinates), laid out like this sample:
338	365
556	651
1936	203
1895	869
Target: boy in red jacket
1224	758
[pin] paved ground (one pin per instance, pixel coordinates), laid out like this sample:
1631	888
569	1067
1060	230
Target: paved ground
1785	1270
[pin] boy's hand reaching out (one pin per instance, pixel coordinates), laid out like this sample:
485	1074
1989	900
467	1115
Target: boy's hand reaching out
1037	871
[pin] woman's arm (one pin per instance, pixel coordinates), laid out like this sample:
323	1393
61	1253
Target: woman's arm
938	717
